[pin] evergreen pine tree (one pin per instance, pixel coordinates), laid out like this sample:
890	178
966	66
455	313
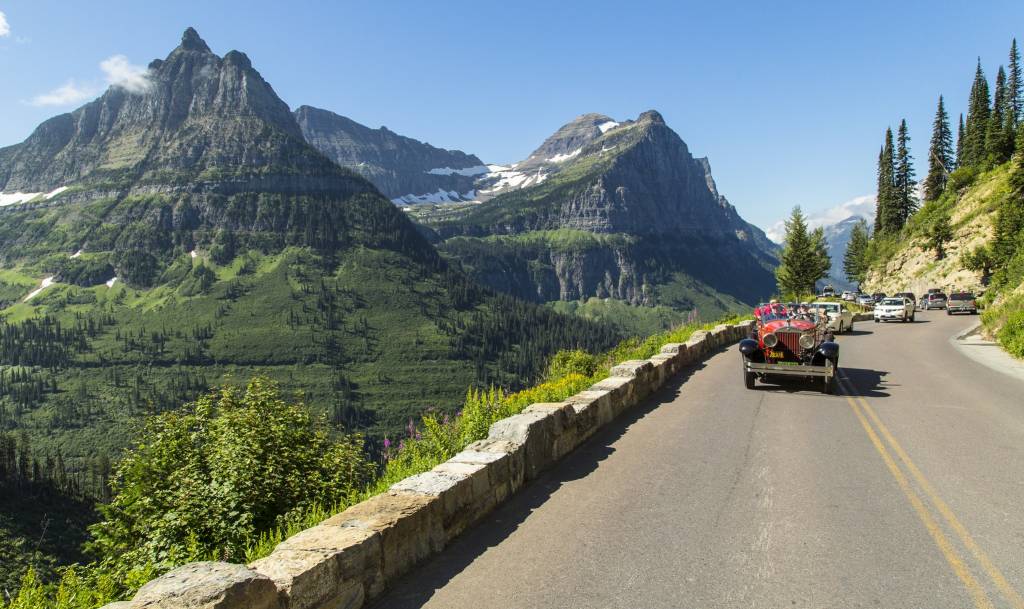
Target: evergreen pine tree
1014	86
887	216
976	127
854	260
997	145
960	142
905	203
880	189
804	258
940	154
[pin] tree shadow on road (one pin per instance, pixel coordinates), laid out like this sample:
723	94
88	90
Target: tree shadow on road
866	383
418	586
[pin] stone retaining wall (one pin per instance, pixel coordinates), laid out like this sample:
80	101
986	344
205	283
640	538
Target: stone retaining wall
353	556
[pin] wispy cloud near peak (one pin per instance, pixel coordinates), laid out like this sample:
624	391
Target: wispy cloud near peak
119	72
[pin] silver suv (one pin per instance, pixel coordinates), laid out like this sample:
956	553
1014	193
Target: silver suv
935	300
962	302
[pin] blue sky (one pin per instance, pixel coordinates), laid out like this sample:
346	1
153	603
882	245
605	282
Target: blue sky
789	100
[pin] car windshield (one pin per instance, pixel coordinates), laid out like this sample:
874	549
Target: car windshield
937	296
962	296
831	307
896	302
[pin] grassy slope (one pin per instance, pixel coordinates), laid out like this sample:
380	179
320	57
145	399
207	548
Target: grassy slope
904	263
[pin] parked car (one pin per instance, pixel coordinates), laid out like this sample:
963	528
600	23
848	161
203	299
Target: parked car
839	317
962	302
877	297
865	299
935	300
922	302
800	346
848	296
894	309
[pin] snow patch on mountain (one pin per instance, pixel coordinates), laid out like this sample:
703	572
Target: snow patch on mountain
441	196
561	158
45	284
608	125
14	198
468	171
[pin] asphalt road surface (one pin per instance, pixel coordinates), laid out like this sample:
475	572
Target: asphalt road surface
905	492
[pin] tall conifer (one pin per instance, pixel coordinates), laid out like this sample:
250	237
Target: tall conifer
998	144
887	218
905	186
960	142
856	250
1014	86
940	154
976	127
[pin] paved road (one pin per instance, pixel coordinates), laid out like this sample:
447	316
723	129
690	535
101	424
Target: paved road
907	492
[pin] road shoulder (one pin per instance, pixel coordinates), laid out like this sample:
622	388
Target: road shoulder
988	353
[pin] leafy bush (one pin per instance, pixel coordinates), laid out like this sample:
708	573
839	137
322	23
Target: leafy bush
962	177
1012	333
207	479
571	361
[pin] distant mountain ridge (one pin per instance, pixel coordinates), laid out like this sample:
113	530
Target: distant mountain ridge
404	169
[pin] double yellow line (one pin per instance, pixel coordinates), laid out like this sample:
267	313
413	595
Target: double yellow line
977	592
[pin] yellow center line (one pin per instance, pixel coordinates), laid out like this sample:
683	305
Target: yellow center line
977	593
997	577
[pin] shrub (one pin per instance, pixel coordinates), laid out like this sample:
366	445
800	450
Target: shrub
962	177
575	361
207	479
1011	336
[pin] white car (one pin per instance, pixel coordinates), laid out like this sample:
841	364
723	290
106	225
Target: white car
840	318
894	309
848	296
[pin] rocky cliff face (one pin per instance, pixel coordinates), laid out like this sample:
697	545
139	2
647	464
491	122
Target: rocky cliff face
634	179
205	155
404	169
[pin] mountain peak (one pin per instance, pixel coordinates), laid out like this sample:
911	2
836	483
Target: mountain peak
191	41
239	59
652	116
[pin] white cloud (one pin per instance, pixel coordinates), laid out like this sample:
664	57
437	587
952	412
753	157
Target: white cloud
862	206
119	72
64	95
5	30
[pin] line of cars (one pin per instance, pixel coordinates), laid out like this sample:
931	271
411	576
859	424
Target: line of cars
798	340
890	308
957	302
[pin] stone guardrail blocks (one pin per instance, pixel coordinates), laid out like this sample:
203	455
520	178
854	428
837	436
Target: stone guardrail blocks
352	556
